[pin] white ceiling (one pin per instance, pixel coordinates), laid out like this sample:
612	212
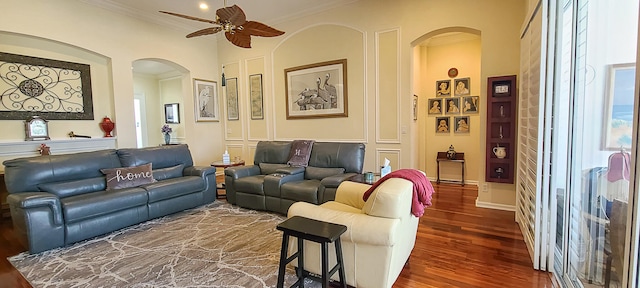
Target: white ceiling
270	12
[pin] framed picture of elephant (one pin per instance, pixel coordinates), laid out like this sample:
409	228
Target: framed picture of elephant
317	90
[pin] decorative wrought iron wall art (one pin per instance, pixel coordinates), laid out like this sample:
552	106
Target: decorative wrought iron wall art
52	89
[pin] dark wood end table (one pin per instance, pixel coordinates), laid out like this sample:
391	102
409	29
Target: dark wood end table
442	157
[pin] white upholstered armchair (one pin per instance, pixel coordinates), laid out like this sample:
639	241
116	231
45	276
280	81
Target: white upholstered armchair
380	232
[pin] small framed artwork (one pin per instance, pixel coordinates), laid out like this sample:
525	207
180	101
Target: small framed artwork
206	99
435	106
470	104
255	92
172	113
452	105
443	88
619	104
232	99
461	124
442	125
461	86
415	107
502	89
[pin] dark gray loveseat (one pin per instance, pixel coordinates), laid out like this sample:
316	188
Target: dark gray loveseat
272	185
57	200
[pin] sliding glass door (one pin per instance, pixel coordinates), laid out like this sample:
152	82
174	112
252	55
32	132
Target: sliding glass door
594	97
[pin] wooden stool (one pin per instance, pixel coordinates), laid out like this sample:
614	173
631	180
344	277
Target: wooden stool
313	230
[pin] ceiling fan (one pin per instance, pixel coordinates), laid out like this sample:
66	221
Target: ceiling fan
233	22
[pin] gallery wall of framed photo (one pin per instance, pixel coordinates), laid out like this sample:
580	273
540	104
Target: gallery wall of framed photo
453	106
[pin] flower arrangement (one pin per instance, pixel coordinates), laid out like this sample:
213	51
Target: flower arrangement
166	129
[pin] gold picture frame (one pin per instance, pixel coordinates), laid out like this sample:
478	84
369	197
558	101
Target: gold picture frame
317	90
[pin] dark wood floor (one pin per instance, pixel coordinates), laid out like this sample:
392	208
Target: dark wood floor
458	245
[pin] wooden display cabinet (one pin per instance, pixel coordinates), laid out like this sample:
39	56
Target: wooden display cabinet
501	129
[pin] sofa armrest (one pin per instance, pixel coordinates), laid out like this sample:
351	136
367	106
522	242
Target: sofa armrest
201	171
350	193
290	170
272	182
237	172
29	200
361	228
335	180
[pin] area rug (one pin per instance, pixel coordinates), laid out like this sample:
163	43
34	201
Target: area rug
218	245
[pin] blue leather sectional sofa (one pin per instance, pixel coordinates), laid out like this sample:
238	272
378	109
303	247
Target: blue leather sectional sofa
57	200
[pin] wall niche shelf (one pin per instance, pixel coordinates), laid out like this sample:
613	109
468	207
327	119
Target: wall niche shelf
501	128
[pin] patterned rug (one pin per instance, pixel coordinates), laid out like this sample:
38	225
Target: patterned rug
218	245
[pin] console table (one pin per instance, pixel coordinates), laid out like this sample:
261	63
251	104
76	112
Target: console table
442	157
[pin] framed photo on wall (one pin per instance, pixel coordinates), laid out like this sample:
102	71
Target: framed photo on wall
619	104
452	105
461	124
470	104
435	106
442	125
415	107
255	93
232	99
443	88
461	86
317	90
205	93
172	113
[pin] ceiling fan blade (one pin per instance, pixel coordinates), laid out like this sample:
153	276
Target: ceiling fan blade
233	14
189	17
205	31
259	29
240	39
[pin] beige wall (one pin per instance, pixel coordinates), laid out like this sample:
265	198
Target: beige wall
376	37
75	31
383	76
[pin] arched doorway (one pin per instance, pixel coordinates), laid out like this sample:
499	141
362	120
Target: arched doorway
158	82
437	55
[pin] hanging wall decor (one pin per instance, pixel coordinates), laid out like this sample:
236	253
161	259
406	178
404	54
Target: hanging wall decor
56	90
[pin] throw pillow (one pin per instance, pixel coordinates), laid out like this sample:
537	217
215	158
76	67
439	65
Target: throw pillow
300	153
124	177
320	173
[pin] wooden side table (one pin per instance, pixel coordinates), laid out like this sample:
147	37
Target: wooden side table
221	164
442	156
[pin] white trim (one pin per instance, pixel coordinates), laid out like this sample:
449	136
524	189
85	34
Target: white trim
248	98
490	205
389	151
398	87
224	106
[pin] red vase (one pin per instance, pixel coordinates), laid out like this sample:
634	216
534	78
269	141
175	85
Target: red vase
107	126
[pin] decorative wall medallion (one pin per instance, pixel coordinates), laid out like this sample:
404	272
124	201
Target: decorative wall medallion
453	72
49	88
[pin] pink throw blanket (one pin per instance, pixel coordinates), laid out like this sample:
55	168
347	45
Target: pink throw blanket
422	189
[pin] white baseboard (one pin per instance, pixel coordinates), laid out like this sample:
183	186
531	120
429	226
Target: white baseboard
495	206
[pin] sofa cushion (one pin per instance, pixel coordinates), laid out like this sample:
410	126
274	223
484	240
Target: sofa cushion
160	156
70	188
125	177
319	173
270	168
272	152
83	206
306	191
168	173
250	185
174	187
